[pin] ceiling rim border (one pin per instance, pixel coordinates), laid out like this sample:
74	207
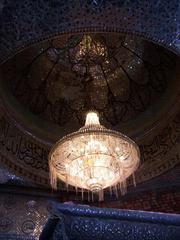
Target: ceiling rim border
144	35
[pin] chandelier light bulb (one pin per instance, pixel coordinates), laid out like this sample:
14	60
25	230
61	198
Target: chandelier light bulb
94	158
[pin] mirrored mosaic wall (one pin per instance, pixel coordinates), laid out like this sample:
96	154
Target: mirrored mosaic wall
22	216
24	22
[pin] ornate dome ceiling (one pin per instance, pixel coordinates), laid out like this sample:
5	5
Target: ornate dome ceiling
41	97
47	88
56	82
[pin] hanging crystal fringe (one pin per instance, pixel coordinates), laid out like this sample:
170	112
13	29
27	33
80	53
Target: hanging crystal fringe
82	194
101	195
92	196
110	189
123	187
134	180
88	196
53	177
67	185
116	191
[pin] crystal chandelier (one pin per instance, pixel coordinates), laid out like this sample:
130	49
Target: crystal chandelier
94	158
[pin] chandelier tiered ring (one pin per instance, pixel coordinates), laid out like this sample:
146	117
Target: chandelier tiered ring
94	158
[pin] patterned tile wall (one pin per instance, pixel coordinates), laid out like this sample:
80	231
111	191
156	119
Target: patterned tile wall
22	215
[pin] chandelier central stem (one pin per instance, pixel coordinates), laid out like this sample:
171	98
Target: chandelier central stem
92	118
